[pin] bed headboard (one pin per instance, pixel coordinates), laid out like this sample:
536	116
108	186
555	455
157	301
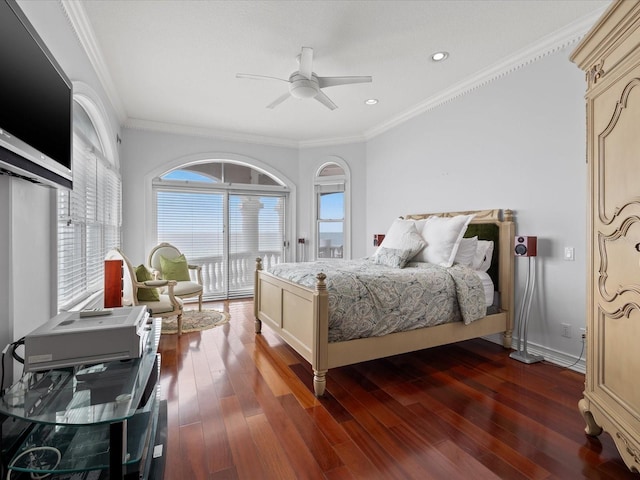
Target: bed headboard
499	226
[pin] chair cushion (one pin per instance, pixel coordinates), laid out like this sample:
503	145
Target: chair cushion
187	288
175	268
163	305
146	294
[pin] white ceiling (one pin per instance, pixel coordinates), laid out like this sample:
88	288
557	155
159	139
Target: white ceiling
171	65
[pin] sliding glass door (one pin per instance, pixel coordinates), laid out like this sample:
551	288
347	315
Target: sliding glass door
223	229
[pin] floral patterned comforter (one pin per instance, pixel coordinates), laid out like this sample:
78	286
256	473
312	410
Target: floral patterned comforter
367	300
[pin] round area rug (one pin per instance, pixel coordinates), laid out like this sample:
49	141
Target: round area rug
194	321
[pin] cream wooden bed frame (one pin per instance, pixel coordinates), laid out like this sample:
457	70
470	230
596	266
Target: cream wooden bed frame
300	315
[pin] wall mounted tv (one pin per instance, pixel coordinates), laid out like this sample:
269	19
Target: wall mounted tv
36	97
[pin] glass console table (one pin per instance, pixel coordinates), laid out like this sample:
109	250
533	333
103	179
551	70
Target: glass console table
93	422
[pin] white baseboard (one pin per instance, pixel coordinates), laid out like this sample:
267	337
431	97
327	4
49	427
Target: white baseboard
550	355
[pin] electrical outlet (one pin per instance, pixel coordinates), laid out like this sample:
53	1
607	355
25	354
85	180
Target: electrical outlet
583	334
566	330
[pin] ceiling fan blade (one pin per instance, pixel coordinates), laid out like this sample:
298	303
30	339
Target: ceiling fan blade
258	77
306	62
326	101
279	100
333	81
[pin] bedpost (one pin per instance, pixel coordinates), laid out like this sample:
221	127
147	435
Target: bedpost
256	295
320	335
508	215
507	273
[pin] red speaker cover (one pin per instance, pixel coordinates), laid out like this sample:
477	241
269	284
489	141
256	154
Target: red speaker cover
525	246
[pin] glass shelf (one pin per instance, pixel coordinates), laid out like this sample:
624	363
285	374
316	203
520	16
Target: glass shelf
102	393
84	448
72	412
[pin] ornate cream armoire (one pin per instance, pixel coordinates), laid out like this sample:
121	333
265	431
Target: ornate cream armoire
610	56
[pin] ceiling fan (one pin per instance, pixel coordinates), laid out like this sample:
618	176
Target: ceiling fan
304	83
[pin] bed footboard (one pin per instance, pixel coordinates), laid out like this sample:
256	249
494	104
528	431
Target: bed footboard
297	314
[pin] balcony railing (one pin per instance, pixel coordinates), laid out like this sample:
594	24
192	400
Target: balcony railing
241	270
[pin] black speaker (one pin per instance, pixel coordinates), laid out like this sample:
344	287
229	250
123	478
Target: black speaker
525	246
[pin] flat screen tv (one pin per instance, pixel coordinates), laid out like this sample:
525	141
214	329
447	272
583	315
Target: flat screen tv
36	97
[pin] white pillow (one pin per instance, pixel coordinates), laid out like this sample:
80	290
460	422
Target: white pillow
483	256
402	235
443	236
466	251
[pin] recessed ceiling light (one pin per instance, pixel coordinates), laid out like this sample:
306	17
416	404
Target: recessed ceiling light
371	101
439	56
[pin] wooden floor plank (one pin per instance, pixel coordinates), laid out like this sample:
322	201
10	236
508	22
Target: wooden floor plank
241	407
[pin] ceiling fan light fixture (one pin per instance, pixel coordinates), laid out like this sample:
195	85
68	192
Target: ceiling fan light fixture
299	90
439	56
301	87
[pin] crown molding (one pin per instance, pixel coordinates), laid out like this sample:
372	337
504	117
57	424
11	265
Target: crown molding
328	142
169	128
151	126
81	26
569	35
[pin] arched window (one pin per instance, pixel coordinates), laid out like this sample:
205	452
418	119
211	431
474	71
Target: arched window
222	215
331	211
89	216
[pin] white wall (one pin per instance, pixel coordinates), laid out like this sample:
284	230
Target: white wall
518	143
27	266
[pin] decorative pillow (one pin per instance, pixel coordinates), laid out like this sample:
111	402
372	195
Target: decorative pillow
483	256
466	251
146	294
443	236
175	268
402	235
392	257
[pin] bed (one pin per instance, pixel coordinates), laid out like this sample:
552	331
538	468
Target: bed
301	314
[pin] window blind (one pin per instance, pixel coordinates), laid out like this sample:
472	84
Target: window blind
89	222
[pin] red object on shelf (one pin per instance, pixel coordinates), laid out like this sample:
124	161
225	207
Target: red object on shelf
377	239
112	283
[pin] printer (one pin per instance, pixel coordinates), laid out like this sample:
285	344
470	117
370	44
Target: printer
71	338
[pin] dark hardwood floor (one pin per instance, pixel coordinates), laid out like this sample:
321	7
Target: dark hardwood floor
241	405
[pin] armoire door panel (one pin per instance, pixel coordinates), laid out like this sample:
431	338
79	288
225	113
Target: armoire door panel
619	272
617	152
620	361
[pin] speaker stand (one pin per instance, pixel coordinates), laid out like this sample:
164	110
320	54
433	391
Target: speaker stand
523	319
